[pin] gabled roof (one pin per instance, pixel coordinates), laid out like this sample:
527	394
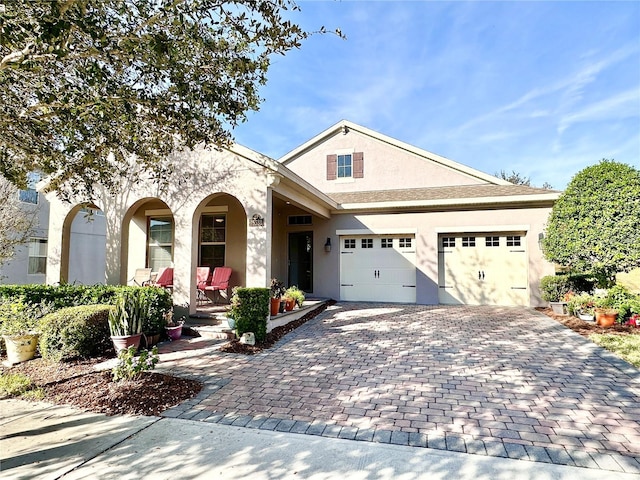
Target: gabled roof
460	195
345	124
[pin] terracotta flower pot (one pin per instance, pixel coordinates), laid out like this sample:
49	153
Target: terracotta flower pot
125	341
275	306
289	304
606	317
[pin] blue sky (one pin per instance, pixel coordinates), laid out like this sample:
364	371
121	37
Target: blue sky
542	88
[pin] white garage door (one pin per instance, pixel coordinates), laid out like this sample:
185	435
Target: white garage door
483	269
378	268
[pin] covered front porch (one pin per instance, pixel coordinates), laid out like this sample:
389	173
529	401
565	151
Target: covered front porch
233	208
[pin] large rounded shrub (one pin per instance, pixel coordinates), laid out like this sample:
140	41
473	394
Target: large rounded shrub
594	225
72	332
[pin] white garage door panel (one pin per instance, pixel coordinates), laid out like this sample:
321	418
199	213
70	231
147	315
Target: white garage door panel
369	272
483	269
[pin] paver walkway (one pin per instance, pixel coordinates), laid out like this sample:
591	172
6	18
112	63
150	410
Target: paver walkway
496	381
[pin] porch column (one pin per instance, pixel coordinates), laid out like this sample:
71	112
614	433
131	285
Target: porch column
183	259
115	271
259	238
57	257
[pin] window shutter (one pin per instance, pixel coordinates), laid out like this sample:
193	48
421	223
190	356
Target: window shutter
358	165
332	167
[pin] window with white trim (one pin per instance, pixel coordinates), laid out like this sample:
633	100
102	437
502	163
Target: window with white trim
367	243
37	256
344	166
160	242
213	240
513	241
350	243
387	243
468	241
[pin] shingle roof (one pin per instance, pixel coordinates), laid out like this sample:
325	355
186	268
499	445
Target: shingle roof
437	193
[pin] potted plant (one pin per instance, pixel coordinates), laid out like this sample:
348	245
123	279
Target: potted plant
130	312
606	314
583	306
556	289
277	291
174	329
19	326
295	295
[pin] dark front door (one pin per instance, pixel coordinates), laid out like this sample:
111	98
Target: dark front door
301	260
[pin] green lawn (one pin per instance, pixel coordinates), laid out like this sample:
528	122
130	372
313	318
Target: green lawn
626	347
630	280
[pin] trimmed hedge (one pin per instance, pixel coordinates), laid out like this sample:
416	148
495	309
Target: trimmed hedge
250	309
71	332
554	287
62	296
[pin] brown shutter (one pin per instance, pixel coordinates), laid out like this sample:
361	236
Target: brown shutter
332	167
358	165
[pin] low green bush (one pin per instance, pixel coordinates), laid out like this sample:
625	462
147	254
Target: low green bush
250	309
61	296
72	332
555	287
623	300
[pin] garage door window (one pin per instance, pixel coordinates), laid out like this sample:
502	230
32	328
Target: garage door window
513	241
387	243
448	242
468	241
350	243
405	243
492	241
367	243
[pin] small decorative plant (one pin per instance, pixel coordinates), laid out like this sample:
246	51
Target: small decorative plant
582	304
296	294
277	288
129	367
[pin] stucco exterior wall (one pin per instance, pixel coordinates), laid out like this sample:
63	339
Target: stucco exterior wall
386	167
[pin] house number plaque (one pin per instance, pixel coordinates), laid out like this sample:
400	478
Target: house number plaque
256	220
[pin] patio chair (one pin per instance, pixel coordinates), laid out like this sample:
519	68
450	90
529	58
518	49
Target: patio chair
164	278
141	278
219	281
202	280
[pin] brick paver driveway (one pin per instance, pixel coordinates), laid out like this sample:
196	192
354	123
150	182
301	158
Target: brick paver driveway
486	380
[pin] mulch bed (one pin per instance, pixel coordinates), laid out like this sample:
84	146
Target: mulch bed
587	328
78	384
274	335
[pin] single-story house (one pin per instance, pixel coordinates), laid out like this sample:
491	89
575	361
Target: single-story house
351	214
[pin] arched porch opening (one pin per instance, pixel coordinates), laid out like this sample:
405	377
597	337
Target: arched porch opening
219	238
83	253
148	238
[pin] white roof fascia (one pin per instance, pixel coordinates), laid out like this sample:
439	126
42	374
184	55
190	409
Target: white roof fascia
398	144
543	197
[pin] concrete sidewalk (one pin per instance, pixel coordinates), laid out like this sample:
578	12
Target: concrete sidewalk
44	441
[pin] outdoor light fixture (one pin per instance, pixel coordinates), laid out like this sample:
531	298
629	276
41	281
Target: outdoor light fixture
540	239
327	245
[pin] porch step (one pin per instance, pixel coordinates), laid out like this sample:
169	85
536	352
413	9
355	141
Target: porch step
215	327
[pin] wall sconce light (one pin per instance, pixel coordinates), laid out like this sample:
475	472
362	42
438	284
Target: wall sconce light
540	240
327	245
